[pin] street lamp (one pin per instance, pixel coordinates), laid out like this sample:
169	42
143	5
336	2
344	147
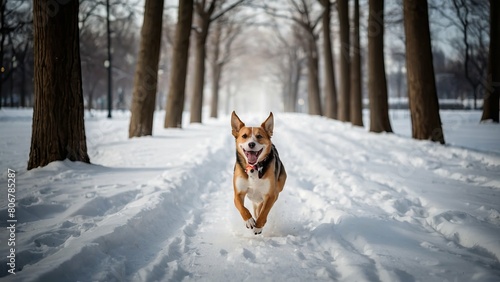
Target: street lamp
107	63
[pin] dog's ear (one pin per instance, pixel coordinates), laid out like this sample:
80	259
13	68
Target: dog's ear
268	125
236	124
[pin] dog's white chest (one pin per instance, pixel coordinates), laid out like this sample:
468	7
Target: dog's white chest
254	187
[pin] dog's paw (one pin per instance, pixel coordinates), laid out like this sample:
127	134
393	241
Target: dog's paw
257	230
250	224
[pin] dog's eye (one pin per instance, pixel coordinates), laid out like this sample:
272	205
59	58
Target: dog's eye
259	136
244	136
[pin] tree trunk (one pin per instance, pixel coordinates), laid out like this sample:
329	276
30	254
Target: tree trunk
146	74
424	107
294	91
199	70
216	73
216	70
58	130
356	90
491	98
377	84
330	85
345	81
314	101
2	43
176	93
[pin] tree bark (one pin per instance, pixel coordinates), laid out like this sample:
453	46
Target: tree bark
330	84
424	107
377	84
344	101
176	93
146	74
58	130
216	73
491	98
314	101
356	90
199	69
216	70
294	91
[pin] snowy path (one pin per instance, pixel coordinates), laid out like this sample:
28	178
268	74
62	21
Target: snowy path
356	207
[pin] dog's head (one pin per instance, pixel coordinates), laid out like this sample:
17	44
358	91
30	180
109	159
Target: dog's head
254	143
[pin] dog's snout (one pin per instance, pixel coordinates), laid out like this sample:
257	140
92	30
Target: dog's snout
251	145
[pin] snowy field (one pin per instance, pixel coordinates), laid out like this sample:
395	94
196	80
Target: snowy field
357	206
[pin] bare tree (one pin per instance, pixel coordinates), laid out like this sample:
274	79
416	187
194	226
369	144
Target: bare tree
345	81
356	78
285	50
424	107
306	19
224	35
206	15
470	18
146	75
377	84
58	130
176	92
491	98
329	63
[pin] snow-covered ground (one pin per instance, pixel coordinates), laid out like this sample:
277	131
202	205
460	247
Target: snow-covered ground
357	206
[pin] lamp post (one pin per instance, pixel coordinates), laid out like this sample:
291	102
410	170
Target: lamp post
108	64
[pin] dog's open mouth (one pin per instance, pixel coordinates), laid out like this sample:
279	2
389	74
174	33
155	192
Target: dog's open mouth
252	156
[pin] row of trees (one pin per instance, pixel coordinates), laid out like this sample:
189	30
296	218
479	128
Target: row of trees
58	82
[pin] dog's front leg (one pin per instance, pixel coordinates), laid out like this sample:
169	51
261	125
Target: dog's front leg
239	201
264	212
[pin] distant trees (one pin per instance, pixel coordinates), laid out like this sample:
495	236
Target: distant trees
424	108
58	130
16	53
176	92
377	84
491	98
223	37
146	74
205	16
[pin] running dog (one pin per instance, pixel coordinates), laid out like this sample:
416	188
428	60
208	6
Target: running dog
258	172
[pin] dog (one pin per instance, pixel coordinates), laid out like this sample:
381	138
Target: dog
258	171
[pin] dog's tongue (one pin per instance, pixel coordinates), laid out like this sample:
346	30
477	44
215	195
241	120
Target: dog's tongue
252	157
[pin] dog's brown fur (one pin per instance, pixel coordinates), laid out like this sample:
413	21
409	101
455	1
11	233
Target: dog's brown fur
262	180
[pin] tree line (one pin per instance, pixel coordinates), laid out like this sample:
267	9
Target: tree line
59	133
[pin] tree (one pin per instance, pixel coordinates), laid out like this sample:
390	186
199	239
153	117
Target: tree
329	63
356	90
58	130
176	92
424	107
377	84
285	51
309	40
491	98
304	15
344	97
226	31
470	19
146	74
206	16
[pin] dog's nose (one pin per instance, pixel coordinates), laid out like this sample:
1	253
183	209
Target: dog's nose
251	145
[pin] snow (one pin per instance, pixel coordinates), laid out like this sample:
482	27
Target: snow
357	206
